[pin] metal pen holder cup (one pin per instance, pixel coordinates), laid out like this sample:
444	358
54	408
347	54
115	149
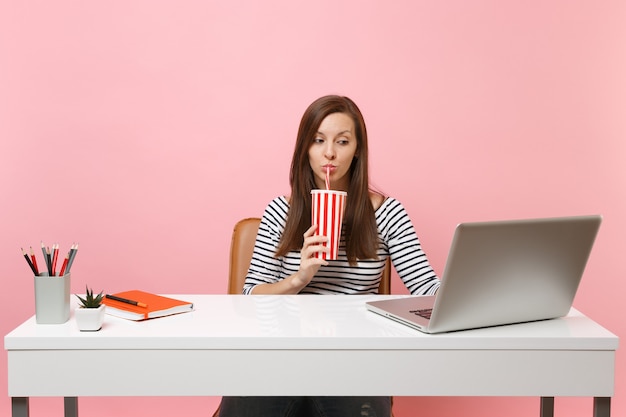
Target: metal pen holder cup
52	299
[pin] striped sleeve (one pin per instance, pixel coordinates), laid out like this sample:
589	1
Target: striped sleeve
265	268
404	248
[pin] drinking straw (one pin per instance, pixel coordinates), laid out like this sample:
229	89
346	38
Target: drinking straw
328	178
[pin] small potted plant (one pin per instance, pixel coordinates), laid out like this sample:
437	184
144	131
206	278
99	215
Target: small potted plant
90	314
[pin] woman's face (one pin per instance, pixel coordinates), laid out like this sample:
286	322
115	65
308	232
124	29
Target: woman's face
333	148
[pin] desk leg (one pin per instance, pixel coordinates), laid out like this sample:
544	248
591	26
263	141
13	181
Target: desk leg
71	406
19	406
601	406
547	407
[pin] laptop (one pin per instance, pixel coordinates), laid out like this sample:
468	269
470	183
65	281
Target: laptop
502	272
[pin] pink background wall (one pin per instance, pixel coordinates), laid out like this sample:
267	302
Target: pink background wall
145	129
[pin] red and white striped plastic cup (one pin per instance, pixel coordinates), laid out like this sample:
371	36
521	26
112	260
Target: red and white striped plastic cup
328	208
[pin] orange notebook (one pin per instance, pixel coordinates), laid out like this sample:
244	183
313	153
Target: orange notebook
156	305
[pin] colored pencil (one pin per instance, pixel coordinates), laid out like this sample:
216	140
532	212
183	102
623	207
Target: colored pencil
62	272
32	257
30	263
49	260
72	254
55	255
45	256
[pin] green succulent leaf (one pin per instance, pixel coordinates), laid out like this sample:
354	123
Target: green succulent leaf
89	301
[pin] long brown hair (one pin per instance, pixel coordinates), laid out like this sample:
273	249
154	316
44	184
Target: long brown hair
359	221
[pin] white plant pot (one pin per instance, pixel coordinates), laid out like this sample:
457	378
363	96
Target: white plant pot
89	319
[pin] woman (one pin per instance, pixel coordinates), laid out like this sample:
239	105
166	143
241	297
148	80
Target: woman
331	138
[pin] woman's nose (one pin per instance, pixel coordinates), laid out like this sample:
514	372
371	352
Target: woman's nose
329	152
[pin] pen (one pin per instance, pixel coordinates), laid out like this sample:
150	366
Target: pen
127	301
30	263
32	257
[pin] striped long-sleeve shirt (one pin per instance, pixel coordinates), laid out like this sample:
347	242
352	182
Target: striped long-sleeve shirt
397	239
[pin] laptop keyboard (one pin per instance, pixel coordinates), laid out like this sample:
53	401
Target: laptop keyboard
426	312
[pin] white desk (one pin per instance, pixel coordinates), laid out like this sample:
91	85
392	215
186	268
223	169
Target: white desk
328	345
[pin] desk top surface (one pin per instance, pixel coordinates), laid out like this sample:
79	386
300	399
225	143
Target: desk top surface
301	322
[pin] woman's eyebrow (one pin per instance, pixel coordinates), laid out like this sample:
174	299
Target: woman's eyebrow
343	132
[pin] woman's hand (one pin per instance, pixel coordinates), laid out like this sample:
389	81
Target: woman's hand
308	267
309	264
